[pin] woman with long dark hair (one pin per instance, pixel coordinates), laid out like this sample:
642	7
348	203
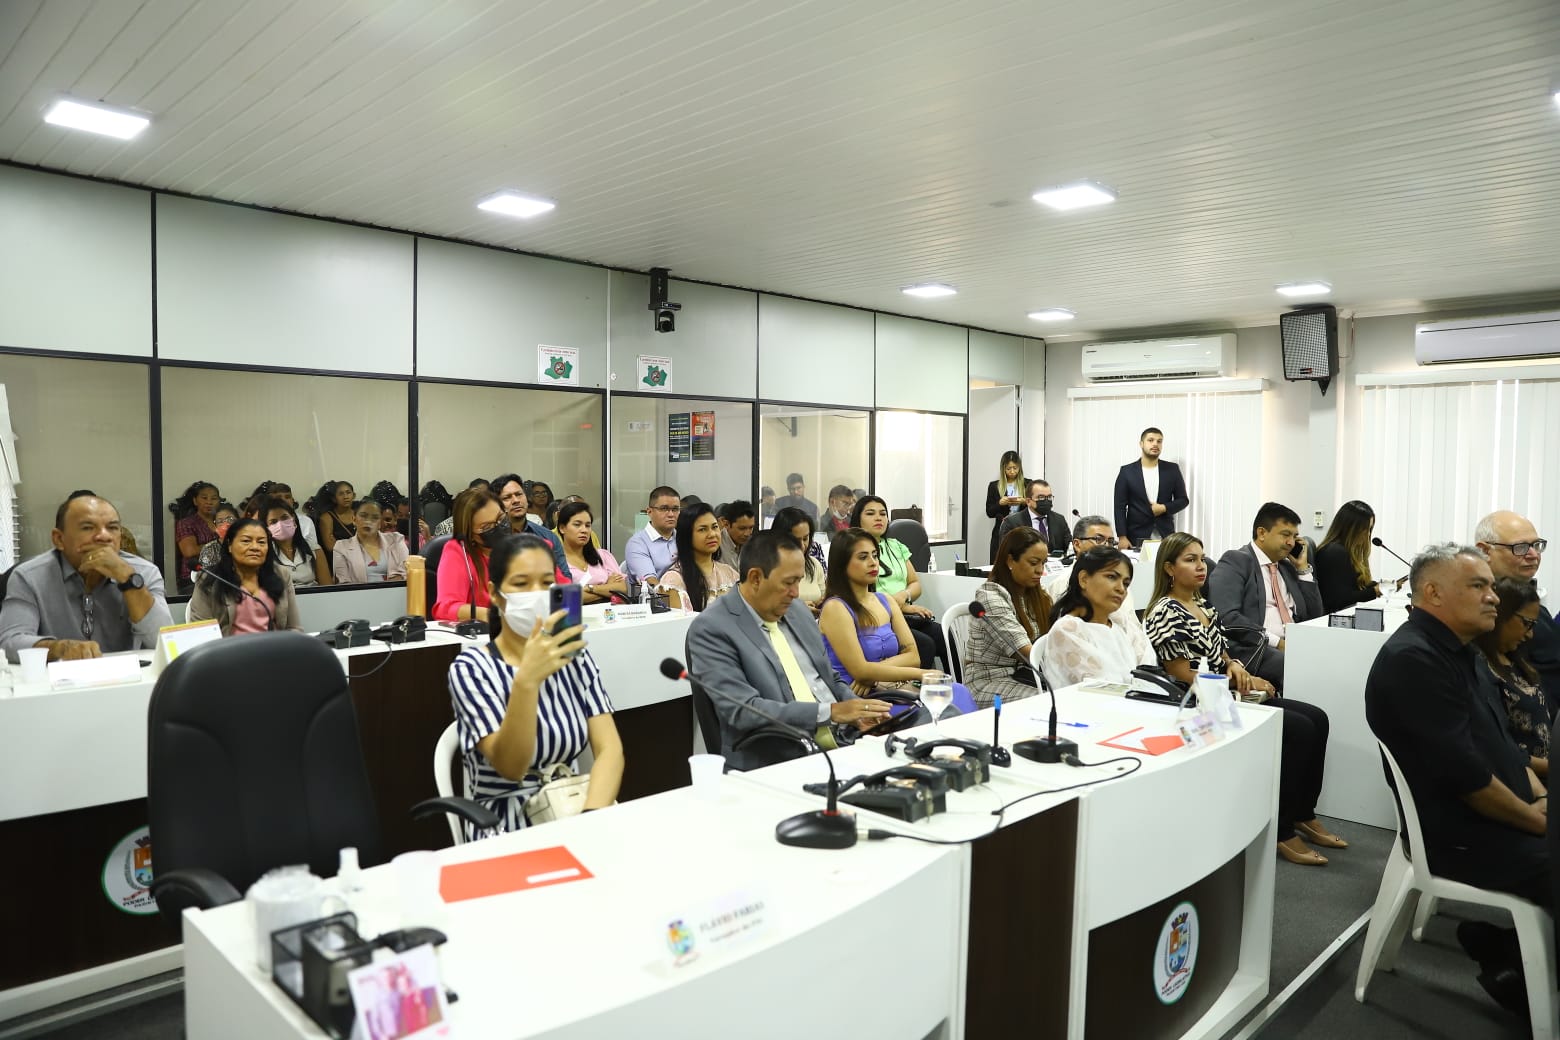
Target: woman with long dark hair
371	554
864	631
194	524
1018	613
1504	649
814	563
699	575
597	573
897	578
1005	495
1343	558
266	604
336	512
304	563
463	565
1086	641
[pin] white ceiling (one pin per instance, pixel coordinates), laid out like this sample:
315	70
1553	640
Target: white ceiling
1406	151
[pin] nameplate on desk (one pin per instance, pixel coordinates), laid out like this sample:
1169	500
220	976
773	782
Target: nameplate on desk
1340	620
1370	619
173	640
715	926
625	612
111	670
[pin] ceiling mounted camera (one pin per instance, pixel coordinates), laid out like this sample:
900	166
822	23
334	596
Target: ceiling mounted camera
665	310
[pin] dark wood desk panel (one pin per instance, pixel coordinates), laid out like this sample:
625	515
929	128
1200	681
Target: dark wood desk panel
1021	926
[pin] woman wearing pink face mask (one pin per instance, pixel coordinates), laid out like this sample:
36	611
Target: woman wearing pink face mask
294	554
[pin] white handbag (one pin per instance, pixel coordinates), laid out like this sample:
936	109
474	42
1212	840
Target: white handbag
562	794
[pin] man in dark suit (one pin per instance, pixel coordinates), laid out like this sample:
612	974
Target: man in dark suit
1481	809
1040	513
1515	550
759	645
1148	493
1261	587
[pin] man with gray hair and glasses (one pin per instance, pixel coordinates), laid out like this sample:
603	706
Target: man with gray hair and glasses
1515	551
1482	811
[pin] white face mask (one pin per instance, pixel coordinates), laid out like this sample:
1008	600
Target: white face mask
522	610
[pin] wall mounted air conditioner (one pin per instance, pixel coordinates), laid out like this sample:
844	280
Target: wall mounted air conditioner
1487	339
1187	357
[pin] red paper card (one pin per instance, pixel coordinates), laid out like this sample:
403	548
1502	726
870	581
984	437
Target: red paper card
1148	744
493	877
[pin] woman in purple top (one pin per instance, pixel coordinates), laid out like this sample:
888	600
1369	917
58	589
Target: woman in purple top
864	631
194	516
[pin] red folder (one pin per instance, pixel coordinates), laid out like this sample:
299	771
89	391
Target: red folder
500	874
1149	744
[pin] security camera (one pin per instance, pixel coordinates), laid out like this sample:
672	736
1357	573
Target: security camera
665	310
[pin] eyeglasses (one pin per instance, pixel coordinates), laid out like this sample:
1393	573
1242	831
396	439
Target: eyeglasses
1045	498
664	509
1523	548
1527	622
1097	539
486	528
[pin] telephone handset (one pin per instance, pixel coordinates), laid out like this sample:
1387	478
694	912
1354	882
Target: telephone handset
1169	690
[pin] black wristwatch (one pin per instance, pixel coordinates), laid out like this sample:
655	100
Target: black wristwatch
135	581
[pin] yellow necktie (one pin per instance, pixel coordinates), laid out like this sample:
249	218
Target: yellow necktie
793	674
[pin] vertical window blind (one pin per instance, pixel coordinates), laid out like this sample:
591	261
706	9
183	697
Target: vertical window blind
1437	457
1215	437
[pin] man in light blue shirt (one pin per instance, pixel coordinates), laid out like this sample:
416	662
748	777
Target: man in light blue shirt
653	548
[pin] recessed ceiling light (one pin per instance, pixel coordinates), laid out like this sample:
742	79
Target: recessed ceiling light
1053	314
514	204
930	290
1304	289
96	119
1557	99
1075	196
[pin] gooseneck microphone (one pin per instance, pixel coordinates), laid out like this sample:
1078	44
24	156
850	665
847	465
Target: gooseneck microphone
1378	543
214	576
1049	748
1000	755
825	828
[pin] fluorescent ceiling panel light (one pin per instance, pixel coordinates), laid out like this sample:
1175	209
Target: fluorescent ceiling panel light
96	119
1304	289
929	291
1557	99
1053	314
1075	196
514	204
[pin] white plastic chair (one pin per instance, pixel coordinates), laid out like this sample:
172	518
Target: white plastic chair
1406	881
956	629
1037	653
445	753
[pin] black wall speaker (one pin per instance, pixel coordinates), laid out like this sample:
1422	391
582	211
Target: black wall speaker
1310	340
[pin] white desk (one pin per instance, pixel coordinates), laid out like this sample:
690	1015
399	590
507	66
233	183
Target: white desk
1142	838
587	959
942	589
1328	667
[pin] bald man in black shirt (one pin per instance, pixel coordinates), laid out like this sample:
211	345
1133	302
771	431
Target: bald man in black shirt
1483	812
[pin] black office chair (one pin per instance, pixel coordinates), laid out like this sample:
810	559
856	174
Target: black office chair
430	554
913	535
254	762
770	743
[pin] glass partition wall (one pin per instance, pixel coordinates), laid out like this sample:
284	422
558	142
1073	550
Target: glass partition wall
920	465
698	446
826	447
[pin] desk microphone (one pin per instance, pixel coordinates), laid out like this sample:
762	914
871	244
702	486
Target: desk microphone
1378	543
1000	756
214	576
825	828
1049	748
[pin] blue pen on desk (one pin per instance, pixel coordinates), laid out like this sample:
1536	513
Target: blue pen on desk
1077	725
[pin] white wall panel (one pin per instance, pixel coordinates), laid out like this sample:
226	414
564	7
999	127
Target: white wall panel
921	365
242	286
481	313
814	352
714	350
75	265
997	357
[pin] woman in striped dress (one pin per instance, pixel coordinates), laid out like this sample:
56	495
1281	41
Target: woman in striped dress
530	699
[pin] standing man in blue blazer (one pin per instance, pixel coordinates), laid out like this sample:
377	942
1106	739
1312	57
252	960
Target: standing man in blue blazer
1148	493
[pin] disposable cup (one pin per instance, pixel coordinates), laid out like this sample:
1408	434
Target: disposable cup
706	771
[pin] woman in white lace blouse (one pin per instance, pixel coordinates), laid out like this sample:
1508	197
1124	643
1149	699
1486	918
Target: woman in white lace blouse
1086	641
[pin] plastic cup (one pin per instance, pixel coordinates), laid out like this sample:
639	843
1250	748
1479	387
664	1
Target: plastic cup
35	664
706	771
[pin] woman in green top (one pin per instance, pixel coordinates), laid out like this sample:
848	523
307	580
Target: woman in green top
897	578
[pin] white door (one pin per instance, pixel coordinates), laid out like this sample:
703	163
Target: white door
993	430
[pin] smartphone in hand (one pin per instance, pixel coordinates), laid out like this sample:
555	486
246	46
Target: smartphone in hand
567	598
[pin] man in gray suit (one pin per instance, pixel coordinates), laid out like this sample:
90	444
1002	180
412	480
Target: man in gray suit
1259	588
760	645
1040	514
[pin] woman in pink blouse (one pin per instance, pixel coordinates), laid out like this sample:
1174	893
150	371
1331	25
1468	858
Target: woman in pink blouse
463	565
594	569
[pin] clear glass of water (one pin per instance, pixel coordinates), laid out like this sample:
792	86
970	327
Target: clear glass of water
936	694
